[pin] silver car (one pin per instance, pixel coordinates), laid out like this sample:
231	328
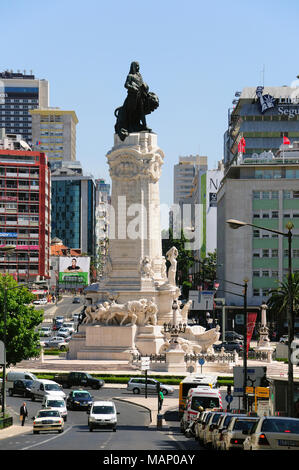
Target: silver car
137	385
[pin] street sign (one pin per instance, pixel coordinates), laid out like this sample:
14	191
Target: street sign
254	377
201	361
145	363
262	392
229	398
250	390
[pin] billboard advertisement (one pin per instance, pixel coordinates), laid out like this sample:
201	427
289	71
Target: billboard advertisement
74	270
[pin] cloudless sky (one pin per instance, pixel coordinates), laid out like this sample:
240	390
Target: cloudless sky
193	54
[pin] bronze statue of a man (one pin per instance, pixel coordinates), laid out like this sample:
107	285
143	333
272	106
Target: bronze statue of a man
138	103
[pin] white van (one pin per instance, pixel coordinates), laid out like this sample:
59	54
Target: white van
46	388
202	397
102	414
18	375
55	402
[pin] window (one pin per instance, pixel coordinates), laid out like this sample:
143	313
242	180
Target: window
274	253
274	274
287	194
256	194
265	235
256	254
266	215
256	234
265	273
256	215
295	253
265	253
256	274
274	214
274	195
296	194
265	194
265	292
256	292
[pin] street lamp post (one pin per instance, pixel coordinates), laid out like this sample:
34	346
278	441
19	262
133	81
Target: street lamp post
235	224
244	296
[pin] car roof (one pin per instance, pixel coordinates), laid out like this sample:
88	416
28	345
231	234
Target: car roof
103	402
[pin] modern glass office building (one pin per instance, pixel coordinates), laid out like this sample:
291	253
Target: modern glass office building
19	93
73	209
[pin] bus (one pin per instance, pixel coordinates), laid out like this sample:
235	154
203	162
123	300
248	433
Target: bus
194	381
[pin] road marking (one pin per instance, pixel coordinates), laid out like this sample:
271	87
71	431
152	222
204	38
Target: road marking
47	440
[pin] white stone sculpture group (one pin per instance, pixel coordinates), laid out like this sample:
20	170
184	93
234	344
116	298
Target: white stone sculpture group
141	312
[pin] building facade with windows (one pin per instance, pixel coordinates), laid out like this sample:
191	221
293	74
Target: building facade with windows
25	213
263	192
20	93
262	115
54	132
73	209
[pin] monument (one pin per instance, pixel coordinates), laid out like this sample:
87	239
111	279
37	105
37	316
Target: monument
126	311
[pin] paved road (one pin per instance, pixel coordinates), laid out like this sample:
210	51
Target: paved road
133	432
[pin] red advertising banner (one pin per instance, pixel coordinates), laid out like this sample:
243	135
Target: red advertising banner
251	319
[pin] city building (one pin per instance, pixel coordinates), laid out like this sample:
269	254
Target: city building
103	201
263	191
183	175
73	208
182	211
54	132
262	116
25	210
20	93
204	199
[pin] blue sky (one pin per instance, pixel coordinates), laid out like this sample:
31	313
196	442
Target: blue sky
193	54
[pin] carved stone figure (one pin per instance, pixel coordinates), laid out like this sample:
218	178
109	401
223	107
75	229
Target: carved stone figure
146	268
138	103
184	311
151	312
172	255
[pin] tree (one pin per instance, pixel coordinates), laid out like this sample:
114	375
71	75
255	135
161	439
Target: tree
22	339
279	299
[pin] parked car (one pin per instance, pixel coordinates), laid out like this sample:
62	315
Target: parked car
76	317
60	344
45	331
21	387
45	388
102	414
233	336
210	426
64	332
40	301
18	375
219	427
200	424
48	420
76	300
273	433
233	436
70	326
79	399
55	403
137	385
79	379
229	346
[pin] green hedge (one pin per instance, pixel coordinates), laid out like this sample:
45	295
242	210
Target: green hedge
123	379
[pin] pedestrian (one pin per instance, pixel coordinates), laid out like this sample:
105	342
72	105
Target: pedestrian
23	413
160	402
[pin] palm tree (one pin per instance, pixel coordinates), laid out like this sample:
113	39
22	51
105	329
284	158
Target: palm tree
279	298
